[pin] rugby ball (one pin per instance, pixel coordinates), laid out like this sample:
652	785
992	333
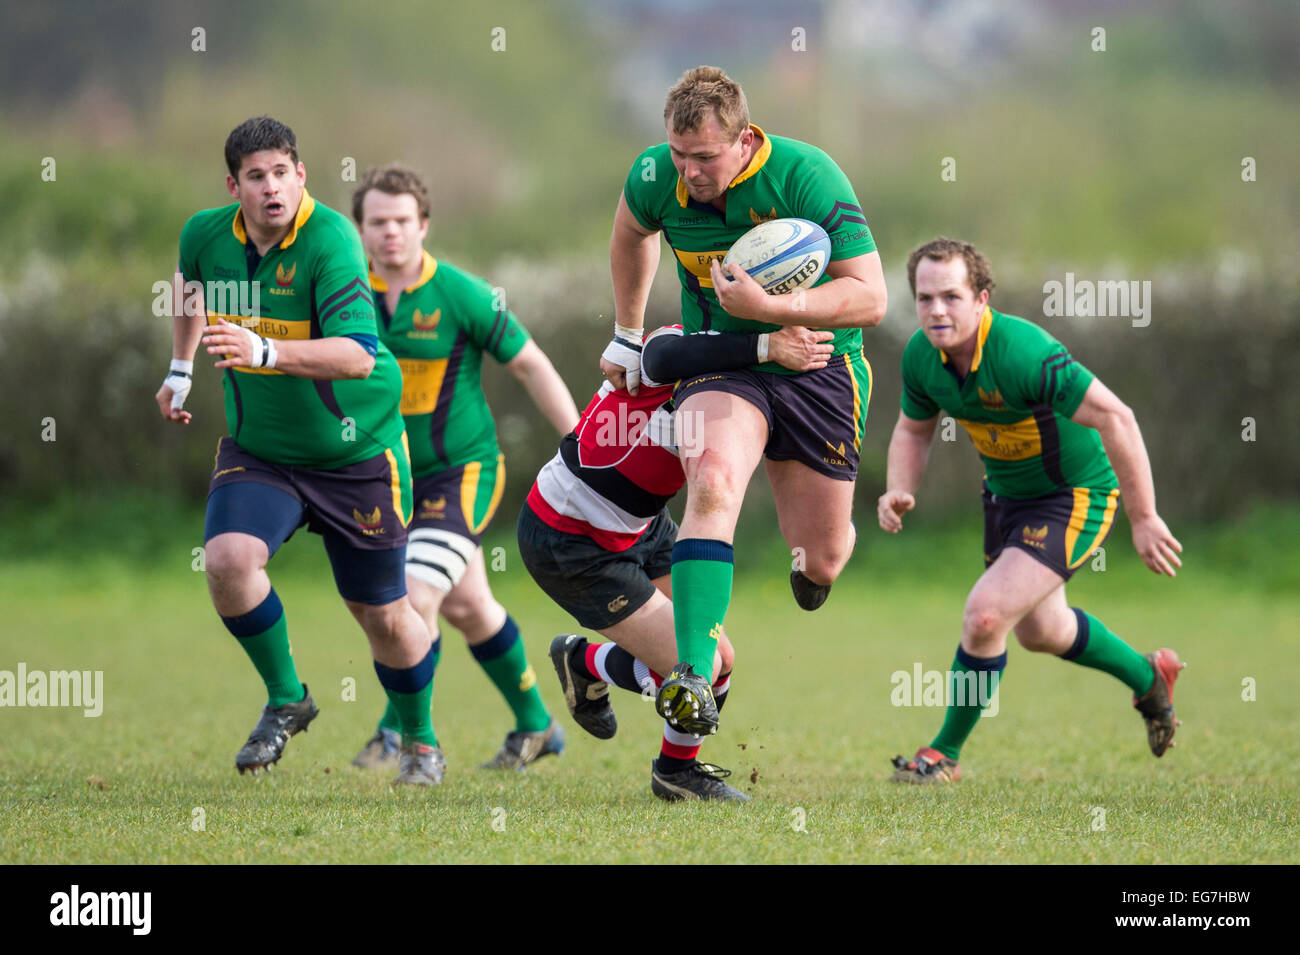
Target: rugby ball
782	255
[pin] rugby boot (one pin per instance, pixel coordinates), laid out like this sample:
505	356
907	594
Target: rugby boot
808	595
520	749
1157	704
381	752
266	743
696	781
685	700
927	766
420	764
587	699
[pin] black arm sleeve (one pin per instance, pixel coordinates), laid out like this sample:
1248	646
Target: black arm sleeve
670	357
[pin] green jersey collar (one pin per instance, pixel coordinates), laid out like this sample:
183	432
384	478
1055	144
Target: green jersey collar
305	208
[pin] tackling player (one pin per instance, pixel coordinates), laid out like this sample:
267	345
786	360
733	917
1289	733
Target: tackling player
311	401
440	321
596	535
1048	432
731	175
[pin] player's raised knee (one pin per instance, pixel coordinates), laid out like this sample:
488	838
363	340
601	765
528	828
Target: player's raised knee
824	567
233	556
713	483
981	623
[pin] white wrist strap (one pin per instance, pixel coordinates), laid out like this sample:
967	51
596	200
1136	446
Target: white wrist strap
762	345
182	366
264	353
632	335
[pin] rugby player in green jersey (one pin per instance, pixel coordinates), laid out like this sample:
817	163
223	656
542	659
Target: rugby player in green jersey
1048	432
316	437
439	322
715	178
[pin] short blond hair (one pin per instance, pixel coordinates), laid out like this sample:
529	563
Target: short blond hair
705	90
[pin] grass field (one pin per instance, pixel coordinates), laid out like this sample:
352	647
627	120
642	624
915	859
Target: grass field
1061	774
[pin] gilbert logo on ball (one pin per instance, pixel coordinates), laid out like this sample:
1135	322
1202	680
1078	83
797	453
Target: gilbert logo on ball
782	255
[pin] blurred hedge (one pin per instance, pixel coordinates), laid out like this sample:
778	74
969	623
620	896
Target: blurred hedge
1212	356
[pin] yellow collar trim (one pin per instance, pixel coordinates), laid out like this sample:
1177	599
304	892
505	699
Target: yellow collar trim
305	208
426	273
986	322
756	163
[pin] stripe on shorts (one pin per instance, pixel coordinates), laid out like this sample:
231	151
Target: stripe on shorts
439	558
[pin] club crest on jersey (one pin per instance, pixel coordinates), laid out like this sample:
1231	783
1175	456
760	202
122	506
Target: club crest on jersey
434	510
758	218
1034	536
992	400
283	279
426	323
371	524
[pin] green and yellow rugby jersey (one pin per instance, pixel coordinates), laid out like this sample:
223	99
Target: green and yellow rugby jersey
311	285
1016	404
785	179
442	326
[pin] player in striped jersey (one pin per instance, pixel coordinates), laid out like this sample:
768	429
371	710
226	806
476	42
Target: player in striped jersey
1048	432
440	322
597	537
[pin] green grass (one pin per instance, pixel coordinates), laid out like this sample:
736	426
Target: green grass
808	732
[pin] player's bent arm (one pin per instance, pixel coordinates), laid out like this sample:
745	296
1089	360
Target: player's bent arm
633	261
909	450
545	386
326	359
1102	410
188	319
668	358
189	315
854	298
1115	422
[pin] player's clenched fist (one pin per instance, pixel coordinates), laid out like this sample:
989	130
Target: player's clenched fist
738	293
175	389
799	348
890	509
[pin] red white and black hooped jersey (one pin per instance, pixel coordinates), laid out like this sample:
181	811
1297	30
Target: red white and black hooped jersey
617	469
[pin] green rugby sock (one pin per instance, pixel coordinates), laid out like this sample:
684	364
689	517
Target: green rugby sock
410	693
1095	646
390	720
264	634
503	659
701	574
966	694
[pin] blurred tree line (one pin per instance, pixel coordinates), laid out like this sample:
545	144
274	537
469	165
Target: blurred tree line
1126	165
